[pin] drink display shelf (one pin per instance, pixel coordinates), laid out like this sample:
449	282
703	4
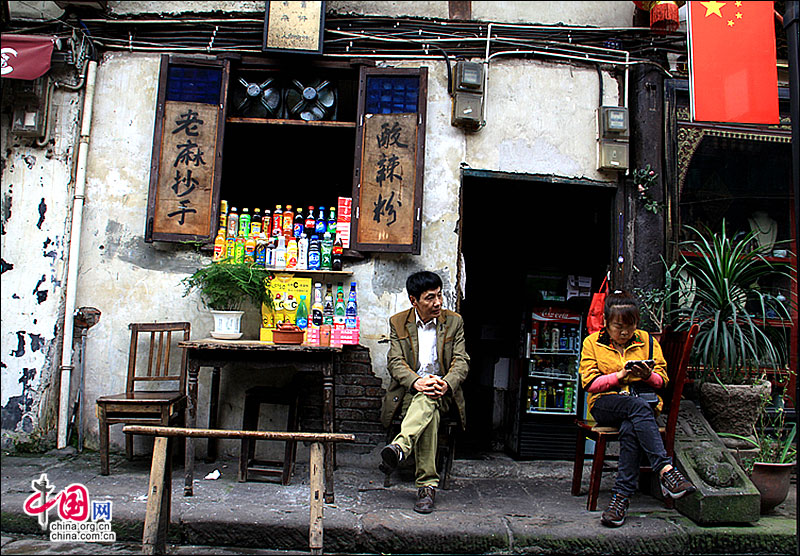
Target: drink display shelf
550	411
556	352
317	272
301	123
552	376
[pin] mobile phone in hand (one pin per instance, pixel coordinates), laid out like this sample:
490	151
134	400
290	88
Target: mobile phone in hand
635	366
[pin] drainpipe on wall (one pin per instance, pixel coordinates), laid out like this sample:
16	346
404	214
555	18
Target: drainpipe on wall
74	250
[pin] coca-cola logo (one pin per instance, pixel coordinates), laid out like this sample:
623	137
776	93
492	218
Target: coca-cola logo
6	54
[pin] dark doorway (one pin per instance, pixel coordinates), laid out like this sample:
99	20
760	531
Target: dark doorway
513	226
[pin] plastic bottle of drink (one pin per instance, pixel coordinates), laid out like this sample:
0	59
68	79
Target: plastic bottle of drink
326	252
250	249
542	401
280	253
299	223
327	308
317	307
339	307
351	311
256	223
230	249
563	341
233	223
336	254
560	396
545	337
569	394
551	396
244	223
310	223
261	250
534	397
320	227
223	214
219	246
291	254
277	219
555	339
301	320
288	221
314	253
240	246
332	221
302	252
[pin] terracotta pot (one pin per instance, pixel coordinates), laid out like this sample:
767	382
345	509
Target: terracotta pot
772	480
733	408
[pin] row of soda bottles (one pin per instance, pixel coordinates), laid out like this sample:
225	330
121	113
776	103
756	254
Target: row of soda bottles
549	395
324	308
283	239
552	336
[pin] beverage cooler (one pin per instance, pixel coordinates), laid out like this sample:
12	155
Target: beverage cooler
545	385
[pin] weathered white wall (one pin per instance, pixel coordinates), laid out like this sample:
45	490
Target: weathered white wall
36	201
540	119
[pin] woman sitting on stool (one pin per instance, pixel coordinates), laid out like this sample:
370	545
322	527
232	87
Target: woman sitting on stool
607	379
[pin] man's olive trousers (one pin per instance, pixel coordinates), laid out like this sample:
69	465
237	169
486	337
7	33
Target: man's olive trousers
419	433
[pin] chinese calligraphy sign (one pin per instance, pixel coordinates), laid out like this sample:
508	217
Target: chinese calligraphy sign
186	177
294	26
388	178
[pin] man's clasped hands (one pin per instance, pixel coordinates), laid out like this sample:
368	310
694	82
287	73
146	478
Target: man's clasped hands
431	385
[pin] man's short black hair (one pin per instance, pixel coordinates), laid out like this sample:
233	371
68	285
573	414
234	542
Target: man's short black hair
422	281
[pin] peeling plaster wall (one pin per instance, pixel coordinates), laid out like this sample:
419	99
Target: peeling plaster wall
36	200
540	119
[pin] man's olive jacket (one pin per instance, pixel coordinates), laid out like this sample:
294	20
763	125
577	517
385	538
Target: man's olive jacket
403	359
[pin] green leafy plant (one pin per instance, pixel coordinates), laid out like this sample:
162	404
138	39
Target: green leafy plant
731	307
659	304
774	440
645	179
228	286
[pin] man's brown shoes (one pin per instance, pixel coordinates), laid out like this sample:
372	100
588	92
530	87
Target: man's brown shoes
425	498
391	456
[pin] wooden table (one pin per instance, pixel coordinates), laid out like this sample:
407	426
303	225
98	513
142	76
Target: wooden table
257	356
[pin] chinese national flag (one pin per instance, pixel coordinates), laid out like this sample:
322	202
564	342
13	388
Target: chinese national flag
732	71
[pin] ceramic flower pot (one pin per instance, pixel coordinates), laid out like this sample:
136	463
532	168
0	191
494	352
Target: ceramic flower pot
772	480
227	325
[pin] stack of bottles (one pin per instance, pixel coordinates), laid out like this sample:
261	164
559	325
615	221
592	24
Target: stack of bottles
553	336
284	239
313	312
550	396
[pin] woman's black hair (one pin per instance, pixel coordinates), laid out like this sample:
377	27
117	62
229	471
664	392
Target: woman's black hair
422	281
623	305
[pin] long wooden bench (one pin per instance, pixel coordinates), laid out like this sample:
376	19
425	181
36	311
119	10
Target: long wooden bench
159	492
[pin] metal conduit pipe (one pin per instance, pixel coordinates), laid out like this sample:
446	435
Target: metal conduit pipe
74	251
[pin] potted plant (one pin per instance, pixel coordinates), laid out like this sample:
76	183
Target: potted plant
225	289
733	346
770	468
659	305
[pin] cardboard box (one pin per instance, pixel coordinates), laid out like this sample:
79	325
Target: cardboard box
285	283
344	336
344	212
312	336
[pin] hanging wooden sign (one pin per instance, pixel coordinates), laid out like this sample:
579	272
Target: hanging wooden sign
388	179
294	26
184	190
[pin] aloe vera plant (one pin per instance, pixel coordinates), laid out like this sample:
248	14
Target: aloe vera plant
731	306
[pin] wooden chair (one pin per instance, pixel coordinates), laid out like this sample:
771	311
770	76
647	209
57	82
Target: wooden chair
147	407
677	346
445	447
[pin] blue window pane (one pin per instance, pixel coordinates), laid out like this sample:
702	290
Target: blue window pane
392	95
194	84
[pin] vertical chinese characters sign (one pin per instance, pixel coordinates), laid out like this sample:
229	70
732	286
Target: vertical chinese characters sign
388	170
294	26
186	177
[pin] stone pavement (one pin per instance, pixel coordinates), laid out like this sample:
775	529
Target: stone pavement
495	505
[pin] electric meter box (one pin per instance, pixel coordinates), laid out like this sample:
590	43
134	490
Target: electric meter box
467	110
613	122
469	77
612	155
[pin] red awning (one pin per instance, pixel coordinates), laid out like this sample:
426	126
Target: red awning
25	56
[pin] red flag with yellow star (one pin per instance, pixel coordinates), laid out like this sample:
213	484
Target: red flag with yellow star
732	71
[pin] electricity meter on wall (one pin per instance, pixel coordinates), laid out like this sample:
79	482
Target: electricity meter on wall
468	95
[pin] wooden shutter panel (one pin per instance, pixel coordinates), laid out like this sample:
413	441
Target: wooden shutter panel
390	159
186	164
